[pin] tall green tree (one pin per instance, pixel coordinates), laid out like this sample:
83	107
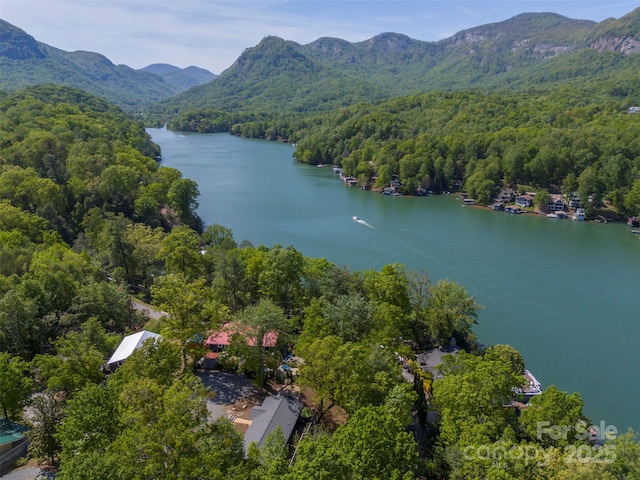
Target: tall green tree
632	199
46	416
169	435
20	325
91	423
261	320
350	317
183	198
190	312
471	399
451	312
319	371
507	354
280	278
317	457
555	418
375	445
181	252
15	385
78	360
390	285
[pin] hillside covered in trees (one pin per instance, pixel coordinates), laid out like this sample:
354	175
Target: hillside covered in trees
559	142
87	216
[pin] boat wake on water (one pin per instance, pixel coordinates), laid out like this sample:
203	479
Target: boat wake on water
362	222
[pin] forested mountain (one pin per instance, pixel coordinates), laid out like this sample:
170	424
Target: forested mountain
468	58
529	51
182	78
273	76
25	61
539	51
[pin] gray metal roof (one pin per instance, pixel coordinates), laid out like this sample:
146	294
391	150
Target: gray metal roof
281	409
433	358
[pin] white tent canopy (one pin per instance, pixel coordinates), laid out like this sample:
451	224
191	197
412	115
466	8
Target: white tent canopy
130	344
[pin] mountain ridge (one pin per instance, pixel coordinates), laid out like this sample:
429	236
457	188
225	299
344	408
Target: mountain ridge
25	62
283	75
183	78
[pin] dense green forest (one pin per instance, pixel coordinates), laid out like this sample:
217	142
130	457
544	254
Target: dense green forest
88	217
560	141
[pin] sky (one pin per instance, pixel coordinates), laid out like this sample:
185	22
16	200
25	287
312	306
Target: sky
212	34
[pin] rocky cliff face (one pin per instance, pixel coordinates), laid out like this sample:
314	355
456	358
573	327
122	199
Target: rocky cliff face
15	44
625	45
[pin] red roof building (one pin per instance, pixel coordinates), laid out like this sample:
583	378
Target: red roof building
218	341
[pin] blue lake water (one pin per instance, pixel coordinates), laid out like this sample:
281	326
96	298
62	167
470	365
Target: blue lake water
565	294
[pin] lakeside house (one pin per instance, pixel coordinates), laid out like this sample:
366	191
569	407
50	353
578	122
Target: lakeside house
431	360
557	204
574	200
128	345
531	386
505	196
512	209
524	201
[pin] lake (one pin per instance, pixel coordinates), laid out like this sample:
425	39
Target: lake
565	294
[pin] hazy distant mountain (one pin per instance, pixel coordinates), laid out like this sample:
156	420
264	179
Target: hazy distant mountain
25	61
183	78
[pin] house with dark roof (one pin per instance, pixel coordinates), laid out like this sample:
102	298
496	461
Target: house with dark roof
281	410
574	200
429	361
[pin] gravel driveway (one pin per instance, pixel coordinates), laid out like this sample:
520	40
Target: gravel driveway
26	473
228	388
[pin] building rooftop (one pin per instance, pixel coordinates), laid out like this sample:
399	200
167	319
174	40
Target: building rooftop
129	344
431	359
223	336
11	431
279	410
